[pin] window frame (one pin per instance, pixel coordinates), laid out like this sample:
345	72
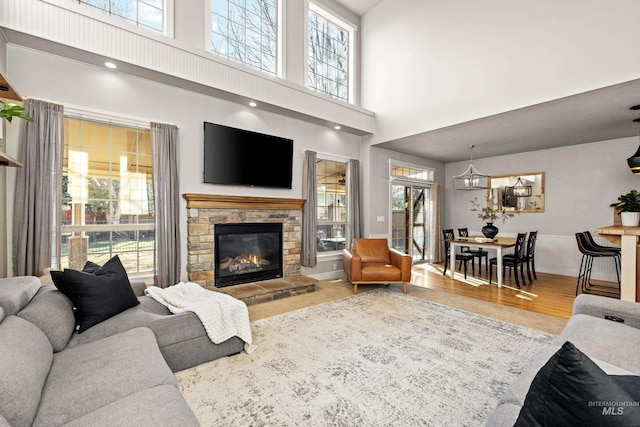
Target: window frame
137	226
279	42
351	28
167	17
319	223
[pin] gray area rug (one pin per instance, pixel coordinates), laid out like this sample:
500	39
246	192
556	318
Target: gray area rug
374	359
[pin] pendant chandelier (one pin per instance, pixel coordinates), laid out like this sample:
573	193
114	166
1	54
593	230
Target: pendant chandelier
634	161
471	179
520	189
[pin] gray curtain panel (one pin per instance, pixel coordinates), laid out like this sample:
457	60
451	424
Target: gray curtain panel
309	250
38	189
353	202
166	192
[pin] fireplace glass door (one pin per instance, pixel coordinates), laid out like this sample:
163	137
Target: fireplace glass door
247	253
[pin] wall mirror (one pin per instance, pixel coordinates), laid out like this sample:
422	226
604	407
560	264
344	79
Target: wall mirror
518	192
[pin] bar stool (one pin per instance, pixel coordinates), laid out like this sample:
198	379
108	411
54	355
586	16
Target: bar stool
586	266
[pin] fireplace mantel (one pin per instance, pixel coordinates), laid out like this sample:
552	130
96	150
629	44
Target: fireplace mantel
219	201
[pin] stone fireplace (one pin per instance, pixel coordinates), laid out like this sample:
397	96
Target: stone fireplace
206	212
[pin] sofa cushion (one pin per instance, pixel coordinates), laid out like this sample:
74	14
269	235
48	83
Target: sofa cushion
52	312
16	292
100	373
25	360
596	337
570	389
99	295
157	406
182	339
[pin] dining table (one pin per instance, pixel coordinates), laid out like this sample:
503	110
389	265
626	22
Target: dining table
497	243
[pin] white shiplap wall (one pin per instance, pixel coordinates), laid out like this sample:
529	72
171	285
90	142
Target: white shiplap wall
58	21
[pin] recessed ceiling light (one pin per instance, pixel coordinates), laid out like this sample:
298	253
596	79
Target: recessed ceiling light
252	104
110	64
337	127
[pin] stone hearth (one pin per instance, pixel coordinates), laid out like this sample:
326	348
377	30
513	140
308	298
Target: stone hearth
206	210
268	290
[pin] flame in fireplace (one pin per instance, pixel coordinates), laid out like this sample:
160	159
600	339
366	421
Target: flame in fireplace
244	263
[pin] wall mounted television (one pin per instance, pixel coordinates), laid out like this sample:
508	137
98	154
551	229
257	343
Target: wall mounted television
241	157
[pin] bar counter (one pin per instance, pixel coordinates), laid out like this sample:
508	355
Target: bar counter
627	237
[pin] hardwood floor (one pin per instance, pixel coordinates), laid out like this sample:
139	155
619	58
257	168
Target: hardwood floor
551	294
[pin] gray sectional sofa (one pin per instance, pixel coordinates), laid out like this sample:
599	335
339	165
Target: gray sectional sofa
117	373
612	344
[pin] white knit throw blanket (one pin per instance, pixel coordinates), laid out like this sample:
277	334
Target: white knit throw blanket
222	315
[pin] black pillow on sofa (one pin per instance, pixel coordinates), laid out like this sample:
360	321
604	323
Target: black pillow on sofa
99	295
58	277
571	390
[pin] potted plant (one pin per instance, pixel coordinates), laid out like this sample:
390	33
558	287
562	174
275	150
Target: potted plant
9	111
489	215
628	205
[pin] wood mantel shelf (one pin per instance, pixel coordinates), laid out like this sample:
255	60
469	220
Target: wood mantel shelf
219	201
629	284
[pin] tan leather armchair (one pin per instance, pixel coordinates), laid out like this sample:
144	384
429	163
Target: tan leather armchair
372	261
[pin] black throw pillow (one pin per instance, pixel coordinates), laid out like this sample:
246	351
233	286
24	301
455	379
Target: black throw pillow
99	295
571	390
90	267
58	277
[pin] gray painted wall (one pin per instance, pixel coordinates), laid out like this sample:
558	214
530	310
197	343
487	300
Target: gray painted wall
581	182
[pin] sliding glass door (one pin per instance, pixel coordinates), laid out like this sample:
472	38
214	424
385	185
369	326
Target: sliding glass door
409	220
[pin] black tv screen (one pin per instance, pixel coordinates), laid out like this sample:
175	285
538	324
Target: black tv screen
240	157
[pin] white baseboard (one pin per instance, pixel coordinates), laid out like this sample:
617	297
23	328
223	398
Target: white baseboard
328	275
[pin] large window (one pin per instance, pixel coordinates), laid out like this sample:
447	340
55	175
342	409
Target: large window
147	14
107	195
332	205
246	31
330	54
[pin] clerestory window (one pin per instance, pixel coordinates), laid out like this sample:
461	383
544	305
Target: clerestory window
107	194
330	59
246	31
147	14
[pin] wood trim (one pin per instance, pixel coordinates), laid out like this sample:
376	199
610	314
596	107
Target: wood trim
9	93
218	201
6	160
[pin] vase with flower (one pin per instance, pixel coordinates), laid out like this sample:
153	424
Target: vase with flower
489	216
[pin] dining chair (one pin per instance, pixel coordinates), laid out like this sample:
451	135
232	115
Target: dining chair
514	261
529	256
463	257
477	253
